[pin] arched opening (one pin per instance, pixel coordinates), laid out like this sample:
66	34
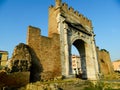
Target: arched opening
78	59
76	62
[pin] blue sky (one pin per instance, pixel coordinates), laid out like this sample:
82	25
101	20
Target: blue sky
17	15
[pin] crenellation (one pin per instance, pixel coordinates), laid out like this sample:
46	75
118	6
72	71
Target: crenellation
86	20
76	12
71	9
65	6
58	3
80	15
83	18
72	12
51	6
104	50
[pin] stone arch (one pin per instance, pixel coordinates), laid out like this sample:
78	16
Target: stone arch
80	46
73	39
83	40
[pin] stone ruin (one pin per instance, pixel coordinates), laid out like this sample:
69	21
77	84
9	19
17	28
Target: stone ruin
24	60
17	71
22	68
21	59
104	60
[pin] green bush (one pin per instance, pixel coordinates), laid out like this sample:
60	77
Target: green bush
1	67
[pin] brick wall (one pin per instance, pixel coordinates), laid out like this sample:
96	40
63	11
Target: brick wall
46	51
104	60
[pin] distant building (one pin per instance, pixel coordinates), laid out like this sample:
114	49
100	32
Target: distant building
3	57
116	65
76	64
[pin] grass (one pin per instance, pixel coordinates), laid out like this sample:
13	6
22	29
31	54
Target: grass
57	81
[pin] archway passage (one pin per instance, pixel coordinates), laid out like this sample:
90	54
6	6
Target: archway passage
76	62
78	59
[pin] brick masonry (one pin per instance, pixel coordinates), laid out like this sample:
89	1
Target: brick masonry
47	50
105	64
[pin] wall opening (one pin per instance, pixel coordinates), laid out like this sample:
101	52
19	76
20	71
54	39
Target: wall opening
78	59
76	62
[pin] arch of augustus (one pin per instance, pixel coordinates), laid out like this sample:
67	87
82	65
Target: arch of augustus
66	27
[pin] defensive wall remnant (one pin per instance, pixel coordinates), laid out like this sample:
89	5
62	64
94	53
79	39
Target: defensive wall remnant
104	61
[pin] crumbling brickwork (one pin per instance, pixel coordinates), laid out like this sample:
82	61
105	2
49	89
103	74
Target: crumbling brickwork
104	60
47	50
21	59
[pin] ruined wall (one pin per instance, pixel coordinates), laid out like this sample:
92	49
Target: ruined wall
47	51
20	60
104	60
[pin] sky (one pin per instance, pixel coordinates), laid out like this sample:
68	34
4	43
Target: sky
17	15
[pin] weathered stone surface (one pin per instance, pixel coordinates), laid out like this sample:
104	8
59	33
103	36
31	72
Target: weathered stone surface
105	63
16	79
21	59
45	76
45	50
25	60
23	68
18	68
